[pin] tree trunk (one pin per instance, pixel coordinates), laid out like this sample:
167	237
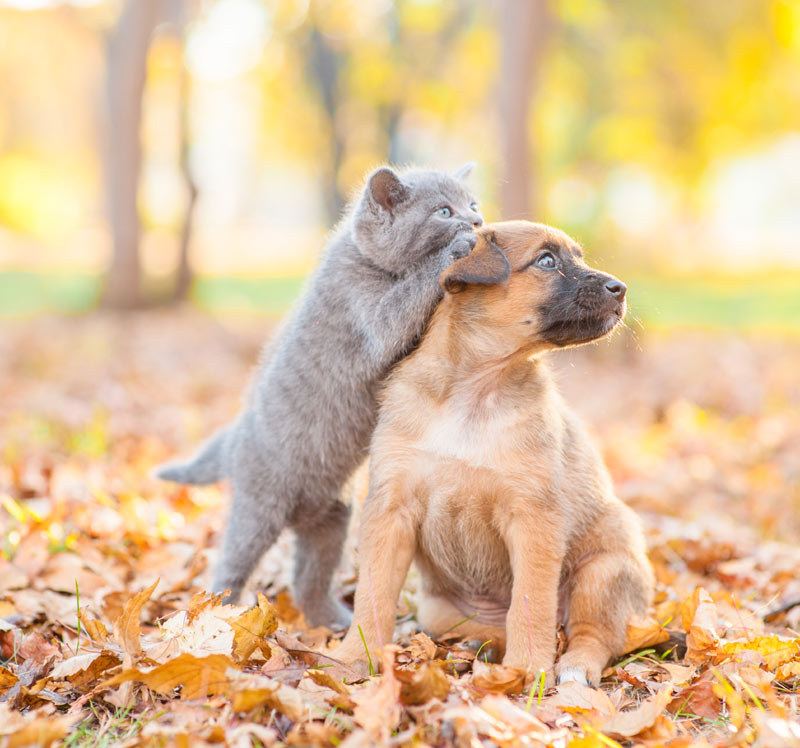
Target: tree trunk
522	29
185	275
127	58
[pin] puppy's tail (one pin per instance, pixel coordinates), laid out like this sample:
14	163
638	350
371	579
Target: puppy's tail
207	465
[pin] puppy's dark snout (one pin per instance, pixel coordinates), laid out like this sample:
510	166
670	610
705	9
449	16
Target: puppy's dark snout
616	288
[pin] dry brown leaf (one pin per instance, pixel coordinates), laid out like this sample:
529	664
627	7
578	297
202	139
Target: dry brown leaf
7	680
251	627
423	684
127	628
95	628
378	702
322	678
631	723
36	648
702	641
197	676
698	700
643	632
497	678
422	646
255	691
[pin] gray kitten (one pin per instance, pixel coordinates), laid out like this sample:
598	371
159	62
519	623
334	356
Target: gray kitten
308	420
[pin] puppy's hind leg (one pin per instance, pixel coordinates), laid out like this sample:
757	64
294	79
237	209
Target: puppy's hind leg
607	591
253	526
318	552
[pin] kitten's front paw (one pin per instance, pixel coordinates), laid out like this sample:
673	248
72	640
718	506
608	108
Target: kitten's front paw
461	246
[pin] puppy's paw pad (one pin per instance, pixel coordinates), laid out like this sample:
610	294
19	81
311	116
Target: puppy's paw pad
573	675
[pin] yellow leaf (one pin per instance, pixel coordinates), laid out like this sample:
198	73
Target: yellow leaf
643	632
790	670
775	650
127	629
251	627
198	676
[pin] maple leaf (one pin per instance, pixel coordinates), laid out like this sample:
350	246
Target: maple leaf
197	676
775	650
127	628
251	627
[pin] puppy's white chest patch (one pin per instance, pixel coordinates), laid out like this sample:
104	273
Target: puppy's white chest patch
477	441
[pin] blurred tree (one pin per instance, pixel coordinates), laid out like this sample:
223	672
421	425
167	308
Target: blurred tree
125	84
127	57
523	29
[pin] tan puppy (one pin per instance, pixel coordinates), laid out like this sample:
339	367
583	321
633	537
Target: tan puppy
481	474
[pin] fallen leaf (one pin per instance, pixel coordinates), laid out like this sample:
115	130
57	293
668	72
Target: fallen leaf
573	695
775	650
423	684
698	700
643	632
497	678
251	627
127	628
633	722
378	702
699	618
197	676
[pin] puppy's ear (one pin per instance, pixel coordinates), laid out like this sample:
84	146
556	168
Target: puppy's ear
464	171
486	265
386	188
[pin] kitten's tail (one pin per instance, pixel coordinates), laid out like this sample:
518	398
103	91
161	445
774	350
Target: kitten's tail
206	466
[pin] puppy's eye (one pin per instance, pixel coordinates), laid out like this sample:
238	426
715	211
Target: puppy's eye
473	207
546	261
443	212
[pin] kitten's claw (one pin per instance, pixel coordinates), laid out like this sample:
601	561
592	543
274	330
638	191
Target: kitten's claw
573	675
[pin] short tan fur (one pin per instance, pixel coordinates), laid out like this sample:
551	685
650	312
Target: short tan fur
482	475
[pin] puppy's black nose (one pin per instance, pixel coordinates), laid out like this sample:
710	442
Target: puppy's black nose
616	288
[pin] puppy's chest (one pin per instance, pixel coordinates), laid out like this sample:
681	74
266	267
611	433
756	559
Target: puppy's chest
485	441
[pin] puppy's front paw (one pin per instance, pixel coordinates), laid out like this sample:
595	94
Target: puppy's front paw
572	675
572	668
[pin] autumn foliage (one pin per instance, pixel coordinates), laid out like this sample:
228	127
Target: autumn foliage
107	636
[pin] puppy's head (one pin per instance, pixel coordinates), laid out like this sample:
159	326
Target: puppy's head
530	284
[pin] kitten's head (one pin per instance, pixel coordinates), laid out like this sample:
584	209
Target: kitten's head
401	217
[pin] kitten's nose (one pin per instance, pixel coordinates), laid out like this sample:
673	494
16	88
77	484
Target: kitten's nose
477	222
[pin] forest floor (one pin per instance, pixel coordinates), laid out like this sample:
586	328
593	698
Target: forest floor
107	638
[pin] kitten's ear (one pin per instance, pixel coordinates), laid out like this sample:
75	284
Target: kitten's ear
463	172
486	265
386	188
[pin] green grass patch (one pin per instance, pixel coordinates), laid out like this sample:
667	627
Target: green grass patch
756	302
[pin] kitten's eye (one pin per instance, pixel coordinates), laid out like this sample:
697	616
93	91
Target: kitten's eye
473	207
444	212
546	261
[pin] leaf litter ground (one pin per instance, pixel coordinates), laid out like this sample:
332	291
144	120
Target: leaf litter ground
107	637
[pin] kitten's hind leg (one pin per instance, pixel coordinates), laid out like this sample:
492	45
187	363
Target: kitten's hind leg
318	552
253	526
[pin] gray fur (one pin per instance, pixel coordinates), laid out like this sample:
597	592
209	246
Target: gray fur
309	418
